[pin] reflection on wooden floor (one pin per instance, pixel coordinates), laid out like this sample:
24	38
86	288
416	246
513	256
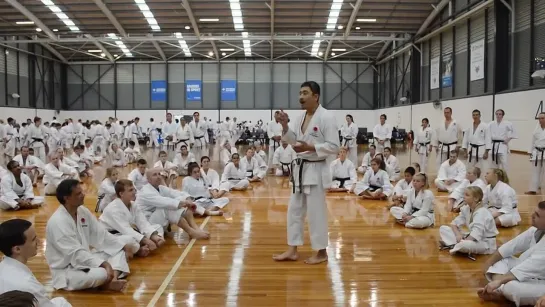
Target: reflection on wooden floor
372	260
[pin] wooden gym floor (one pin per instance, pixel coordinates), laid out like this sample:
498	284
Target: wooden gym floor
372	260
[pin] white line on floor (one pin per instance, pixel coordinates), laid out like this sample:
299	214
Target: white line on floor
175	268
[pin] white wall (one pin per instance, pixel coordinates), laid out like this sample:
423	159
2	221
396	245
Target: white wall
21	114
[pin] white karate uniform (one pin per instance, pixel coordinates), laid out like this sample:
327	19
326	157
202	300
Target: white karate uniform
349	133
481	227
502	198
36	136
73	265
184	136
382	132
402	188
160	206
499	132
212	179
273	129
422	143
54	140
477	142
251	167
66	136
169	169
127	222
446	140
310	179
134	134
81	160
343	171
182	162
234	177
366	162
420	206
70	163
225	155
169	129
90	153
15	275
30	161
225	133
263	156
138	179
458	193
10	141
456	171
392	167
527	268
282	159
54	175
100	137
11	192
118	158
153	135
106	193
199	190
537	150
263	166
198	131
373	180
131	154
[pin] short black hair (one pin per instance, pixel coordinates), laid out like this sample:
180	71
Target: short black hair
205	157
12	233
314	87
477	111
18	298
132	143
65	189
11	165
410	170
142	162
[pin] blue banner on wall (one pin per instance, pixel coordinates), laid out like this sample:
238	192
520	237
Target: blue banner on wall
228	90
193	90
158	90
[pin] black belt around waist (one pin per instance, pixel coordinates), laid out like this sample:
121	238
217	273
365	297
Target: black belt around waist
276	144
341	181
115	232
424	144
476	151
373	188
542	151
495	149
448	149
286	168
418	209
346	140
300	162
34	140
184	141
231	178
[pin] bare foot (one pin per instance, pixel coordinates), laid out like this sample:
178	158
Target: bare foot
117	285
199	235
286	256
143	251
495	296
316	259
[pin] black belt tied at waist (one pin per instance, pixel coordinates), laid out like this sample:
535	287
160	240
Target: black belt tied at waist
34	140
425	145
286	168
180	141
346	140
251	172
540	150
341	181
414	210
495	149
476	153
276	144
231	178
300	162
448	148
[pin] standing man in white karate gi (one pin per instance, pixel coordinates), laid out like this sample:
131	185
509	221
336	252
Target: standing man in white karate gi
537	152
314	137
382	133
521	279
447	137
501	133
477	142
274	132
19	243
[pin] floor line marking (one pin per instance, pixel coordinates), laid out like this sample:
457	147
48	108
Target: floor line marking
175	268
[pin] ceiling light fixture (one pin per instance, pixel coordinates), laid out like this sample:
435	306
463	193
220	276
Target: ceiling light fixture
340	27
94	51
150	18
223	53
120	45
227	49
366	20
316	44
332	53
320	53
183	44
338	49
38	30
209	19
357	28
238	23
334	12
61	15
187	27
25	22
210	53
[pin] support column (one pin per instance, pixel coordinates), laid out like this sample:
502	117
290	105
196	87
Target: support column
501	73
415	75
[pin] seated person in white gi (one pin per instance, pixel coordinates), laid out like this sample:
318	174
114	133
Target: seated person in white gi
249	164
501	199
132	153
451	173
138	175
392	165
263	166
375	183
282	158
122	217
31	165
260	152
519	280
90	153
456	198
84	163
234	176
182	159
66	161
418	209
16	190
366	161
195	186
481	238
19	243
227	152
106	191
165	206
55	172
343	173
70	233
403	187
212	179
169	170
117	156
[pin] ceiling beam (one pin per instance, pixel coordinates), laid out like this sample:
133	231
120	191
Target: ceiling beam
55	52
212	38
436	11
215	50
328	49
101	47
352	17
32	17
111	17
187	6
272	28
161	53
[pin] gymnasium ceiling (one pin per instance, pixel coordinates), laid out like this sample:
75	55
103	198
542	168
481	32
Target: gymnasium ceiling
174	30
